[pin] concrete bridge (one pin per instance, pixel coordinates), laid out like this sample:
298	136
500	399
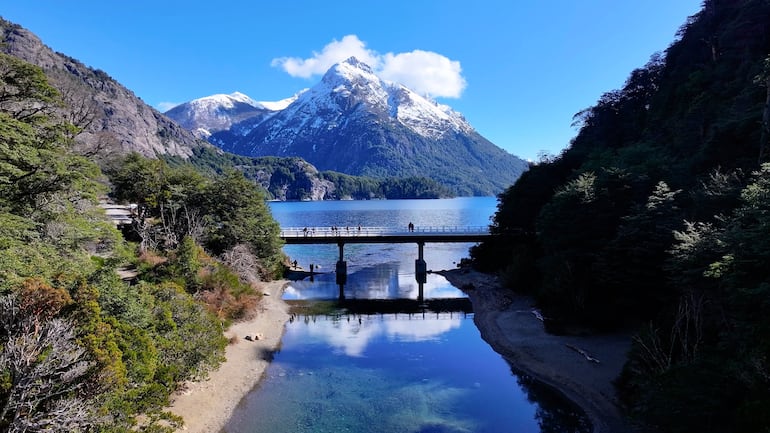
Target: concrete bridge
383	235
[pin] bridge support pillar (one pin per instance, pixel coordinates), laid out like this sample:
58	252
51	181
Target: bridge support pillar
341	269
420	270
420	267
342	272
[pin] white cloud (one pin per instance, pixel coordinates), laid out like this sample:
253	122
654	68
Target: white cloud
425	72
334	52
165	106
352	337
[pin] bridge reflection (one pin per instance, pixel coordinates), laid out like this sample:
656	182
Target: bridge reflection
418	309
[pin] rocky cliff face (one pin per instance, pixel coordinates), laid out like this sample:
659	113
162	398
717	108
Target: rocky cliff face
112	117
289	179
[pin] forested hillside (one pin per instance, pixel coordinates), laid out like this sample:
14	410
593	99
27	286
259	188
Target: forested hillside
657	217
81	349
293	178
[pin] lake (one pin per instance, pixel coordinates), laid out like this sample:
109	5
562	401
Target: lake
381	362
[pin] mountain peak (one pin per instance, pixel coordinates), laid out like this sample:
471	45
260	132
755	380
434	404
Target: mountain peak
129	123
209	114
356	123
354	62
221	100
350	70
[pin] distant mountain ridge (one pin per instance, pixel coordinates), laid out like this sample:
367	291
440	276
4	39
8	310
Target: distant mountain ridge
211	114
355	123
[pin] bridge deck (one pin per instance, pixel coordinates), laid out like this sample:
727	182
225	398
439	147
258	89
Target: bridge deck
380	235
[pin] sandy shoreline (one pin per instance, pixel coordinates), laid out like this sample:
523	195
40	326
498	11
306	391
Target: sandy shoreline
206	406
507	323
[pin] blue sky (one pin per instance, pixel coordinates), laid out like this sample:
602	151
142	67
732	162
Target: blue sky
517	70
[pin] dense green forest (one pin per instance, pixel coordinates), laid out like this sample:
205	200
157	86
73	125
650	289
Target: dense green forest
293	178
656	218
80	348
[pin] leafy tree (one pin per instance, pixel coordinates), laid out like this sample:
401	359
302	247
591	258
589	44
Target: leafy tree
25	93
763	79
236	213
79	348
219	212
628	281
190	341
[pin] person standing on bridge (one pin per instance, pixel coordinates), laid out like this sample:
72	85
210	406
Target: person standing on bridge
410	226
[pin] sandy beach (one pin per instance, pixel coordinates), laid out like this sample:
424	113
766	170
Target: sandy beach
507	322
206	406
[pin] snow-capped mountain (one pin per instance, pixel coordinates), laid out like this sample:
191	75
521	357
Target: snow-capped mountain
356	123
211	114
351	90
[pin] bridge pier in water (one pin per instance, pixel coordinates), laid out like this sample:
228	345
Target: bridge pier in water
341	270
420	271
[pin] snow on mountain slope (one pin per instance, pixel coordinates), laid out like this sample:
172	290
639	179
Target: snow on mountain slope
211	114
354	122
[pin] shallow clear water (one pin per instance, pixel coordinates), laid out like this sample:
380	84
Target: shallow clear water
353	367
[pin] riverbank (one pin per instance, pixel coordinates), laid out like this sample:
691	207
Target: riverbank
206	406
582	368
506	322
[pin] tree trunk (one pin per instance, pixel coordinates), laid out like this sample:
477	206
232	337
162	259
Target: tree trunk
765	137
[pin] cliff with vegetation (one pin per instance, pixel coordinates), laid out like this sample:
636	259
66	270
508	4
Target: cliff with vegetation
110	118
656	218
81	349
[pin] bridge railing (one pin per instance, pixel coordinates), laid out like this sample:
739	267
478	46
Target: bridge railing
380	231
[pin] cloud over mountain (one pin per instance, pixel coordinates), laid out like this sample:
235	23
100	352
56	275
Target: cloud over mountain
425	72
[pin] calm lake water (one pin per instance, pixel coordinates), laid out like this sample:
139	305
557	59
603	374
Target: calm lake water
376	364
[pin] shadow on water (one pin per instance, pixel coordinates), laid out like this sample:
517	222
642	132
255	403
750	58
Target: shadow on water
555	413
